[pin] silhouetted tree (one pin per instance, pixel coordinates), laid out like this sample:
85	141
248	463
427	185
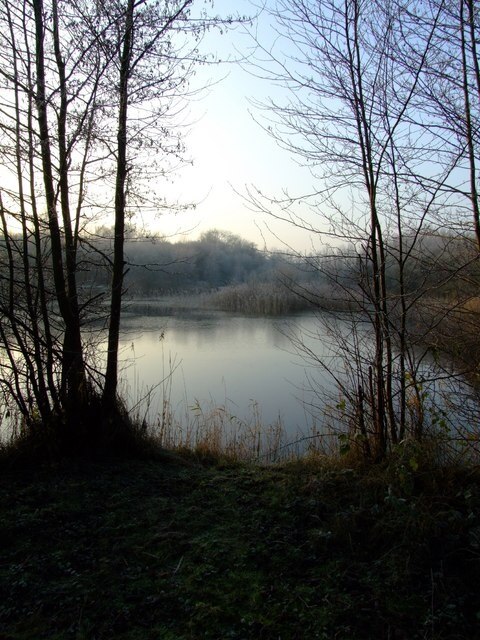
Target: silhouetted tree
358	117
89	96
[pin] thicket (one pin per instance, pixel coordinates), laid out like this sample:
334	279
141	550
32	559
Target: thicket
158	267
219	259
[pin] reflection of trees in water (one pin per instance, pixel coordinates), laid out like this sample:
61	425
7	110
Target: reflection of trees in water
239	359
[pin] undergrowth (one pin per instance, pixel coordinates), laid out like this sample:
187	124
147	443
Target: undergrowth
192	546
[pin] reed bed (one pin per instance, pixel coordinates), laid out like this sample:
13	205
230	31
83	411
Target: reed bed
275	298
215	430
212	429
264	298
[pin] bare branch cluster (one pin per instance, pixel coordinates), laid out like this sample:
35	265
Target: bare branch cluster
383	108
91	102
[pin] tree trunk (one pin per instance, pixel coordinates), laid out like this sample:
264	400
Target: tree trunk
73	384
111	374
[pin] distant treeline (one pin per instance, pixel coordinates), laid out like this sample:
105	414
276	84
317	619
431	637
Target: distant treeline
158	267
238	276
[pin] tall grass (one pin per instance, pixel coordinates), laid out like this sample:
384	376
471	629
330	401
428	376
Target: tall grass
212	429
275	298
216	430
264	298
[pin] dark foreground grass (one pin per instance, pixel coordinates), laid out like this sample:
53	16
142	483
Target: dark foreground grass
174	549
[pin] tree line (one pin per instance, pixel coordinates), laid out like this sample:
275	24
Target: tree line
156	266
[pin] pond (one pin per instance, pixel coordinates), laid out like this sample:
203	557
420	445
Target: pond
200	361
213	368
199	375
188	370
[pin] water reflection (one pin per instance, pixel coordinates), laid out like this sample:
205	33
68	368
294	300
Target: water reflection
250	366
218	359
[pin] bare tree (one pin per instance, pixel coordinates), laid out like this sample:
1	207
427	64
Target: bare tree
358	119
90	94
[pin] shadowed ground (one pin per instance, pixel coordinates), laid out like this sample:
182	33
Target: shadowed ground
178	548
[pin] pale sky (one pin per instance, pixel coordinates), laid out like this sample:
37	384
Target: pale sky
230	151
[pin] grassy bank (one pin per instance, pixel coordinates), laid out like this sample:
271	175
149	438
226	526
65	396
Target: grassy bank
176	548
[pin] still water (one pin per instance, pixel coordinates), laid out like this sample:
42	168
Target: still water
201	360
213	359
